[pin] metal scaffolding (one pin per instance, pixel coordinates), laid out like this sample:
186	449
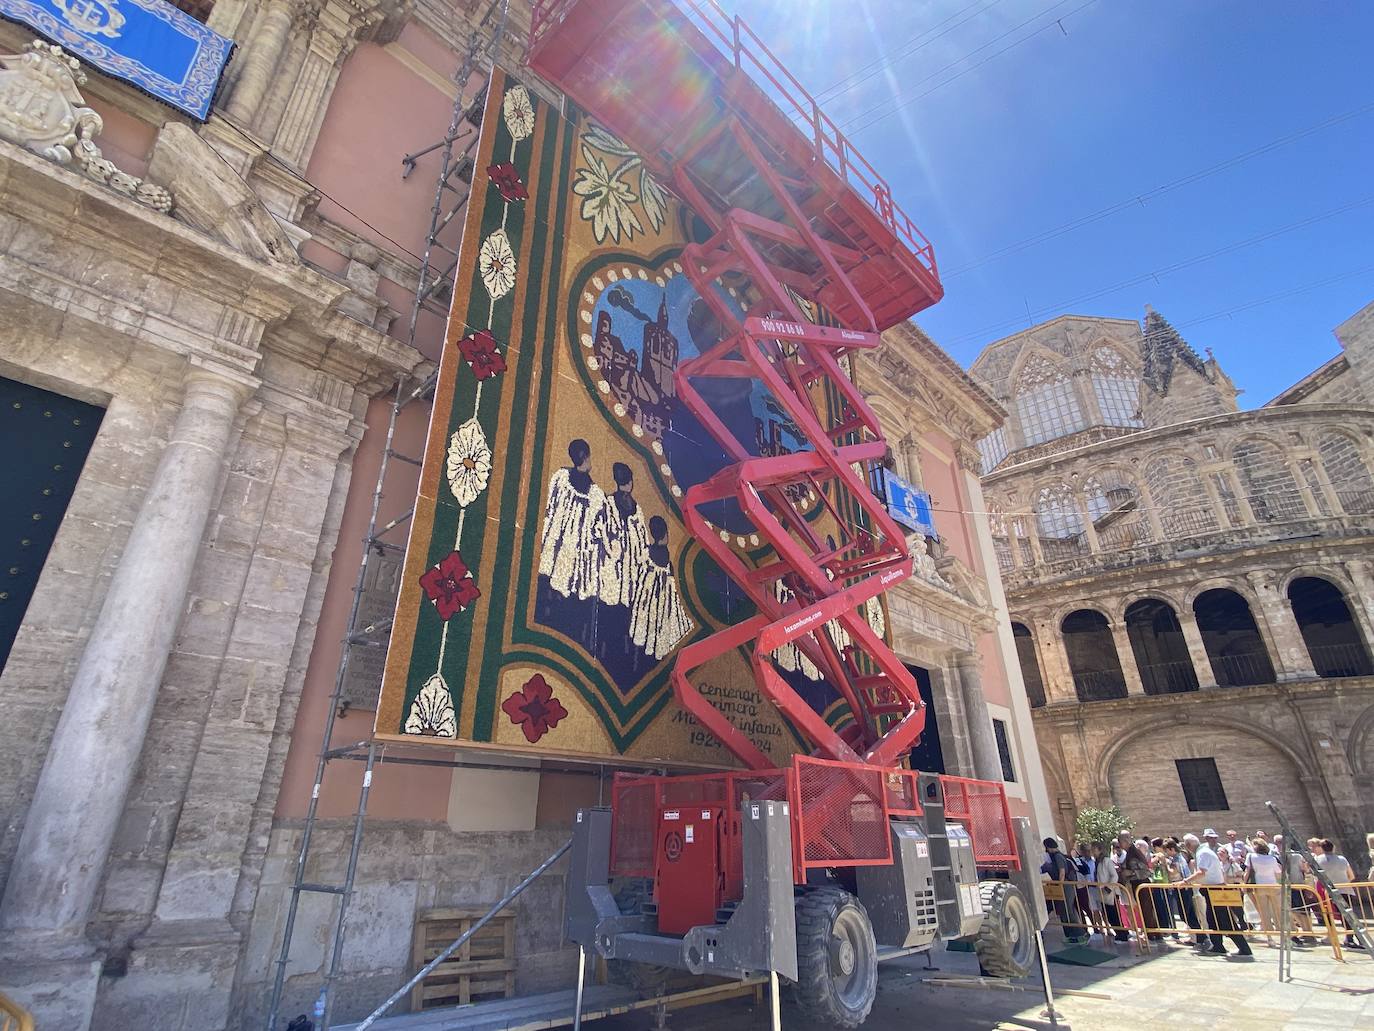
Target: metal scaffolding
438	266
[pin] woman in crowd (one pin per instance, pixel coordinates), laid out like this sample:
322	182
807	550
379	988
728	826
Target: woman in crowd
1262	869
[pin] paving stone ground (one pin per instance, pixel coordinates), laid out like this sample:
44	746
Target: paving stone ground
1173	987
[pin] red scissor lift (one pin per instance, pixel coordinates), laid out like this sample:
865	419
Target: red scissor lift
795	214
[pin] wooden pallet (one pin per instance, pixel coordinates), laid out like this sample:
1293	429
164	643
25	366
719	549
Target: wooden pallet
483	969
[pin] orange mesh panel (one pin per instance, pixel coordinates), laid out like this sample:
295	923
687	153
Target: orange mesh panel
843	817
981	806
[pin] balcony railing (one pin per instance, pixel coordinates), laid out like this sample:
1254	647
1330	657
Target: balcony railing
1168	677
1244	669
1099	685
1340	660
750	54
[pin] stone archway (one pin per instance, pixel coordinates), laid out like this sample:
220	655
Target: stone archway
1142	775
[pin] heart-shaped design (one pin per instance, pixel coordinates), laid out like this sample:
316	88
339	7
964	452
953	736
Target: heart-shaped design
635	324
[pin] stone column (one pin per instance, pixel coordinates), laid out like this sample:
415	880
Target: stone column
987	764
1285	639
1362	604
1197	650
1247	513
260	59
1309	501
333	36
1054	662
1089	531
91	764
1125	655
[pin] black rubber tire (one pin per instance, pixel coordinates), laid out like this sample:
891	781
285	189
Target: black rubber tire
646	978
1005	944
833	931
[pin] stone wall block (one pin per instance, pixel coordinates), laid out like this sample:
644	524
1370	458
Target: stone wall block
197	311
276	584
131	887
378	933
36	247
173	987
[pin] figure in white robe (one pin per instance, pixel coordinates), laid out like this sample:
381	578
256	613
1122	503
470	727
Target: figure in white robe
658	620
622	541
568	553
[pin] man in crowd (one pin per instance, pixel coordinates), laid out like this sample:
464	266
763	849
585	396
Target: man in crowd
1209	874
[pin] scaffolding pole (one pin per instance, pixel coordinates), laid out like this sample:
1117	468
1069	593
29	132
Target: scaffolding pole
432	286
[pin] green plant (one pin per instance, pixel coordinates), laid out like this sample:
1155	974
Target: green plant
1100	825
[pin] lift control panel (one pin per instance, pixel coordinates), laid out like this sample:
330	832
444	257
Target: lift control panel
689	865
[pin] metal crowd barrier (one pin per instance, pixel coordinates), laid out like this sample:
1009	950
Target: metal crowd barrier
1116	899
1156	909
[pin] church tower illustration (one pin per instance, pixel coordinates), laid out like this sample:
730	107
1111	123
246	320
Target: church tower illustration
659	357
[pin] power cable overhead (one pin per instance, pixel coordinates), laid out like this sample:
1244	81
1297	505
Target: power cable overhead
856	78
1164	270
1158	191
866	119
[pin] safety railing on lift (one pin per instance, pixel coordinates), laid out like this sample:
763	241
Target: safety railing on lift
746	50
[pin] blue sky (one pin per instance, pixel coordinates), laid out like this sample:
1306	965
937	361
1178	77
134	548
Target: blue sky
991	149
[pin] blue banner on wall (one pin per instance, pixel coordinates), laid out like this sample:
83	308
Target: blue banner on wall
907	504
149	43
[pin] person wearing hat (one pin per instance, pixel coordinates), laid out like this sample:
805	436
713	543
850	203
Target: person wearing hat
1060	868
1211	875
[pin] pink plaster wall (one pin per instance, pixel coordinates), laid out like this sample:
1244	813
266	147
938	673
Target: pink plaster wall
380	111
125	140
399	792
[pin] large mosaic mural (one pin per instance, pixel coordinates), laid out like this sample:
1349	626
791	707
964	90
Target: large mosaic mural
549	581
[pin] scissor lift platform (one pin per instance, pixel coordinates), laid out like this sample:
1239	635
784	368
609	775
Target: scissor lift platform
659	74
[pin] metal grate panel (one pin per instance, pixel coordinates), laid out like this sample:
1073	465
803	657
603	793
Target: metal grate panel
981	806
843	817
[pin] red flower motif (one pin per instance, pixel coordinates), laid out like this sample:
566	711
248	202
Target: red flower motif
450	587
479	350
534	709
507	181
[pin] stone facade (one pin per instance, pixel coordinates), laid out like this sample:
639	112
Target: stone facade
234	300
1229	548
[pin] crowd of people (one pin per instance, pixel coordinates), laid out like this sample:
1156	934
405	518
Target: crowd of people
1100	882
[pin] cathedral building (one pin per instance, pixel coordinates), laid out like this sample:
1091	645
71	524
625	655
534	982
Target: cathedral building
1190	586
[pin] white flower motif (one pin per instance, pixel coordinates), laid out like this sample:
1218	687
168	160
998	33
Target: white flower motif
519	112
469	462
597	136
496	262
431	714
606	199
653	198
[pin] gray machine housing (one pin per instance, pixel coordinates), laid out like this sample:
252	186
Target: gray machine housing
760	935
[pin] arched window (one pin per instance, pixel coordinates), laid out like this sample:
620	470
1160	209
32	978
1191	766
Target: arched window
1232	639
1113	504
1058	523
1178	496
1116	387
1347	472
993	448
1030	664
1093	661
1045	402
1272	491
1332	638
1160	650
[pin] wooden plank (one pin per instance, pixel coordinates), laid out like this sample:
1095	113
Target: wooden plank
482	968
